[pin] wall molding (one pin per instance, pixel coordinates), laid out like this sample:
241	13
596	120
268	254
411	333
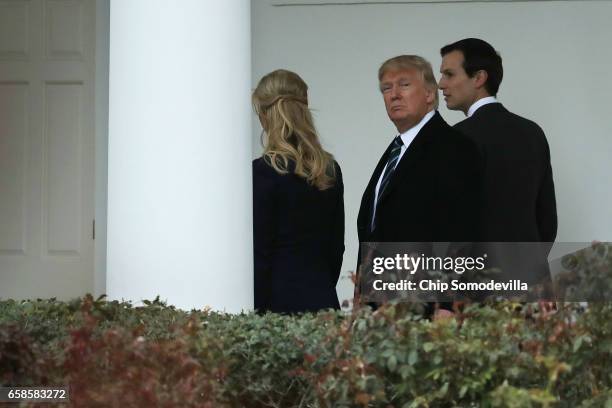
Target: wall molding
295	3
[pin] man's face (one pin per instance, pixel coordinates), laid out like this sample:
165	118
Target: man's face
407	99
458	88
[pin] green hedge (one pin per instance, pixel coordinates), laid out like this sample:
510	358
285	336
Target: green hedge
503	355
114	354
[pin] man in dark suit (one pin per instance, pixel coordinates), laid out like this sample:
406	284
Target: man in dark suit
426	186
519	195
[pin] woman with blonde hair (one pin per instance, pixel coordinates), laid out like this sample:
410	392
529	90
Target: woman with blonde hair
298	207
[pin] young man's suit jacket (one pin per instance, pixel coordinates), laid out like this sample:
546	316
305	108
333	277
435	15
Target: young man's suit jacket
519	193
433	195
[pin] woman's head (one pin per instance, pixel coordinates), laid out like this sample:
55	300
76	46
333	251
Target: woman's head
278	94
281	102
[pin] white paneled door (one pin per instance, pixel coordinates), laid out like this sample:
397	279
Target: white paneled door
46	148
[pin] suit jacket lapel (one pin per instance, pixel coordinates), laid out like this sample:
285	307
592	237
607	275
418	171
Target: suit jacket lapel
367	202
378	171
412	154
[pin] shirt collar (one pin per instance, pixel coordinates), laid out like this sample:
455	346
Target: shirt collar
479	103
409	135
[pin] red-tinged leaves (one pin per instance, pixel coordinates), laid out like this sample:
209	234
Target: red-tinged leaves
309	358
363	399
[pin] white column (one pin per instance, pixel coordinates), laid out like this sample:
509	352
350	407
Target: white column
179	165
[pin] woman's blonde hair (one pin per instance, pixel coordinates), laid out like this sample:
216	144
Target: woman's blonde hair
281	102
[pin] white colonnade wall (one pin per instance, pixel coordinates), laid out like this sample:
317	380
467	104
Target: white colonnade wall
179	159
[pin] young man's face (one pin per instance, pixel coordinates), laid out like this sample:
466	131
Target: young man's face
407	98
459	90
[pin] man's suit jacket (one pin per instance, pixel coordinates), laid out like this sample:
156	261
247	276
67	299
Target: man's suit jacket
298	234
519	194
433	195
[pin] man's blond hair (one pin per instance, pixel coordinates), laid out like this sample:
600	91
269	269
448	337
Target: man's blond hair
411	62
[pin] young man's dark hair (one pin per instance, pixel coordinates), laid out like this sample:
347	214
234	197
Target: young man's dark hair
479	55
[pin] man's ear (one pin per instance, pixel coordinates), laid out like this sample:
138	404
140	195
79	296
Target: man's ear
430	94
480	78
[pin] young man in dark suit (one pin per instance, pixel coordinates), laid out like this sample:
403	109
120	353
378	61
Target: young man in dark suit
519	196
519	199
426	186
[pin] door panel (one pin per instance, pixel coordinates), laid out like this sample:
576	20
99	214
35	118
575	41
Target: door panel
46	148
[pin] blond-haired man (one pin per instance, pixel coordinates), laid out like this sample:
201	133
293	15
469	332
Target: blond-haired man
426	186
427	183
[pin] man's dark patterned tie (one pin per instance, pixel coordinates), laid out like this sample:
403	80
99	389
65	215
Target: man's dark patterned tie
394	155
